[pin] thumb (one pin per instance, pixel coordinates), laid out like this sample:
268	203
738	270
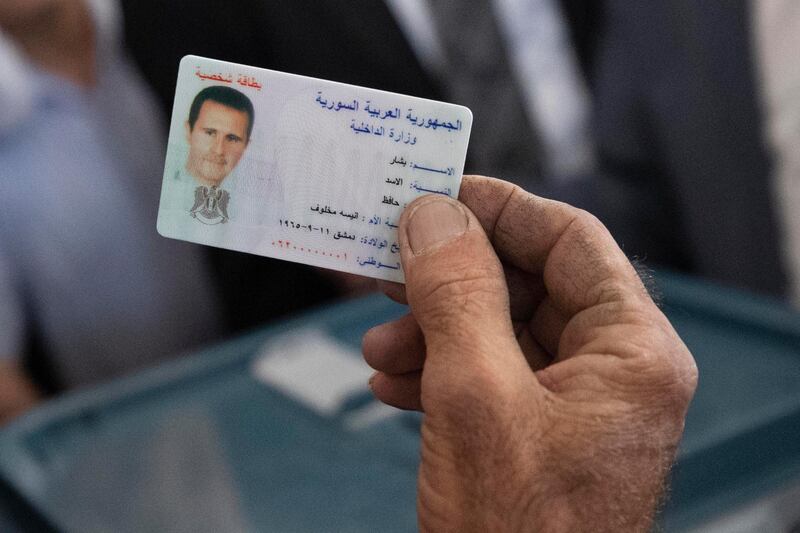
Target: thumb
456	288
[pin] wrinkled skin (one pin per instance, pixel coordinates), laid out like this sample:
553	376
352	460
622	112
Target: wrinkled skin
554	389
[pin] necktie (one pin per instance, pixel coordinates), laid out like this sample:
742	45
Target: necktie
476	73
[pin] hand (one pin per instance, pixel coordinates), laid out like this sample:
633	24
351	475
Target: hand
18	394
554	389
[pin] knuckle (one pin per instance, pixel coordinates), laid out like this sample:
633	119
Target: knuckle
668	369
585	225
462	290
608	290
684	375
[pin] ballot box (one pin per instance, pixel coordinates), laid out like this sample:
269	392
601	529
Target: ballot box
739	463
276	431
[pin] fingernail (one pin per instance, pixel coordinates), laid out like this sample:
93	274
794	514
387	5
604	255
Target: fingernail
371	379
436	221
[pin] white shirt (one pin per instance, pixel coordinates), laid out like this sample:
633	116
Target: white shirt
776	26
545	66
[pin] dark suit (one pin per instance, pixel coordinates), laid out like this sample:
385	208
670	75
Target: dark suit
683	179
680	138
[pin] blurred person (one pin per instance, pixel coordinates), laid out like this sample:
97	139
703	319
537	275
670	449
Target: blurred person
321	39
697	130
554	390
680	115
89	290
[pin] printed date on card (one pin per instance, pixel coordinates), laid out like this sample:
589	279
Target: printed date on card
302	169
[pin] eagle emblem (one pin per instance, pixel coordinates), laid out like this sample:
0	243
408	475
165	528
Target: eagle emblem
210	205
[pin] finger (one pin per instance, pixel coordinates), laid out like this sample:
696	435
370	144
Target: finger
395	291
535	354
580	263
457	291
548	326
395	347
398	390
525	292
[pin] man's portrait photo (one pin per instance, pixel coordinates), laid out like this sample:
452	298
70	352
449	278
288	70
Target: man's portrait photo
218	131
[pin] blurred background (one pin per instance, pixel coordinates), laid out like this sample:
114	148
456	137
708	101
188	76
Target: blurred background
149	384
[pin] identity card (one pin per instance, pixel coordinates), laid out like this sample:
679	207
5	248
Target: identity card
302	169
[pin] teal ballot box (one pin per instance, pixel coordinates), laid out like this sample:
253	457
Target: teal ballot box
276	431
740	455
